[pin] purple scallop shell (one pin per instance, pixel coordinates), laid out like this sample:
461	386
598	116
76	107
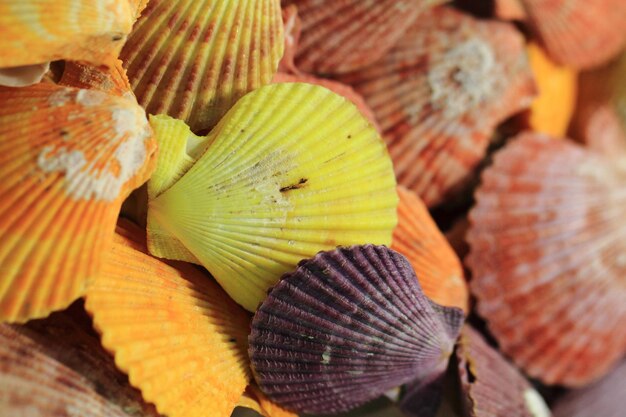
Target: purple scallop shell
345	327
604	398
492	387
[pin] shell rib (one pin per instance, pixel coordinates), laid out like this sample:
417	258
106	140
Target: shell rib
491	386
437	267
439	94
547	242
179	337
339	36
604	398
193	59
292	169
108	79
580	34
39	31
68	158
345	327
55	367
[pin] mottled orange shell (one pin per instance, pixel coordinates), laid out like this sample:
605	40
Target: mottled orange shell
339	36
110	79
547	242
343	90
580	34
176	333
57	367
437	267
193	59
440	93
38	31
552	109
68	158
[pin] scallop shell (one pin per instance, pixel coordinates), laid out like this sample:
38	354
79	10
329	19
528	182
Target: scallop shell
193	59
552	110
547	240
336	87
293	29
491	386
68	158
344	328
39	31
292	169
439	94
600	119
178	336
254	399
54	367
110	79
509	10
437	267
580	34
339	36
604	398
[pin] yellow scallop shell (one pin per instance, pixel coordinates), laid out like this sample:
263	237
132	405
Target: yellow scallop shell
291	170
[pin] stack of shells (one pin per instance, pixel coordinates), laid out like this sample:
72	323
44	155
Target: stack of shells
212	206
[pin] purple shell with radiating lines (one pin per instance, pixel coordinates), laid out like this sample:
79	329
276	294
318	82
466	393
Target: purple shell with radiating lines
345	327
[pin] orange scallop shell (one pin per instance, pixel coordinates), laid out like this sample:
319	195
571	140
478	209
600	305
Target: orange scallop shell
547	242
68	158
343	90
38	31
110	79
580	34
176	333
57	367
254	399
440	93
193	59
339	36
437	267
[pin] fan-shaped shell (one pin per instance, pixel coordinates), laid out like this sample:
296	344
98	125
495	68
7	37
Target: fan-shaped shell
600	119
68	158
54	367
547	240
193	59
437	267
345	35
552	110
110	79
491	386
580	34
292	169
336	87
345	327
39	31
439	94
604	398
179	337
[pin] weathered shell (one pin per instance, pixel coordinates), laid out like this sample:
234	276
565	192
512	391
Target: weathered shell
39	31
600	118
580	34
292	169
439	94
55	367
336	87
110	79
552	109
23	76
193	59
68	158
437	267
345	35
179	337
604	398
547	240
344	328
491	386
